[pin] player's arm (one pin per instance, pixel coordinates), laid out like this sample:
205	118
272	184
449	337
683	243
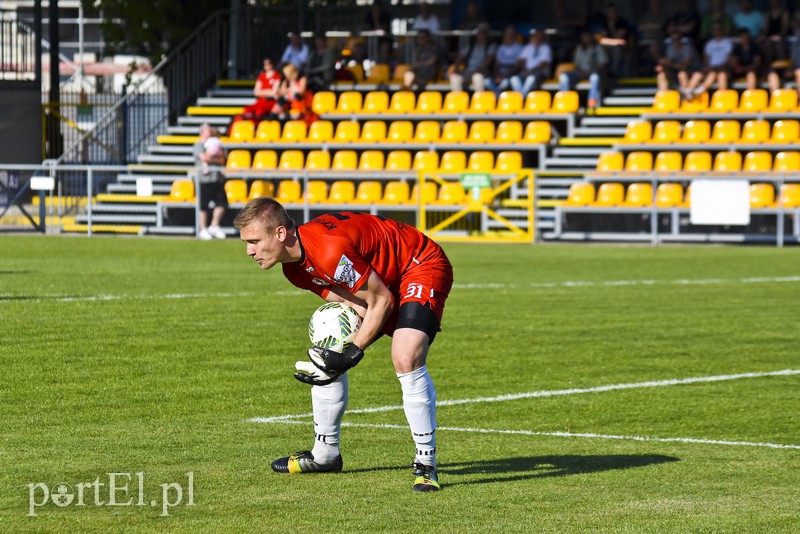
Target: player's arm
337	294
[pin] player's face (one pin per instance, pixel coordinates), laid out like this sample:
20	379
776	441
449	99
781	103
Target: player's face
265	247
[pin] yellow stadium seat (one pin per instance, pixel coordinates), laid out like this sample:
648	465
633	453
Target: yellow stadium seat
538	132
696	132
753	101
759	161
610	161
289	192
783	100
349	102
481	132
508	162
789	196
638	132
451	193
785	131
320	132
639	195
373	132
426	161
453	161
669	195
346	132
698	104
538	102
290	160
294	132
687	198
723	101
427	132
788	161
316	191
454	132
565	102
323	102
428	194
725	132
236	191
402	102
483	102
398	160
345	160
379	73
666	102
265	160
371	160
261	188
697	161
400	132
580	194
396	193
268	131
357	71
399	73
667	132
318	160
609	195
761	196
728	162
509	132
668	162
639	162
376	102
755	131
480	161
182	191
429	102
455	102
242	131
342	192
509	102
369	192
239	159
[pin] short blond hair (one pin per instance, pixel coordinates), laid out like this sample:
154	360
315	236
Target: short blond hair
269	211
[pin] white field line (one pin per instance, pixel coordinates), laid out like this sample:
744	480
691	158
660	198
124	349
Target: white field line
548	393
8	297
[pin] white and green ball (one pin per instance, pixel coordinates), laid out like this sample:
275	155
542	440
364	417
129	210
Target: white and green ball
333	326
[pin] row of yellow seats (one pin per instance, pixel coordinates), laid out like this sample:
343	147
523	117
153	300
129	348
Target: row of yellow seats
376	131
670	195
699	161
339	192
728	101
723	131
452	161
431	102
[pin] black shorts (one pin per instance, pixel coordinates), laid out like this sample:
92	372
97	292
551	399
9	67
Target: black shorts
213	192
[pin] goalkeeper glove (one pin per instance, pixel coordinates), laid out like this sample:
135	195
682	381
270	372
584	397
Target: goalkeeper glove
335	363
311	375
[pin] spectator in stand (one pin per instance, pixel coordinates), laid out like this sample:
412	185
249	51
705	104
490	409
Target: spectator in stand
426	20
321	65
295	96
750	19
790	69
266	93
208	154
716	58
615	36
505	62
590	61
296	52
378	19
534	64
474	62
651	31
568	19
685	21
425	68
746	59
473	17
777	25
678	61
715	15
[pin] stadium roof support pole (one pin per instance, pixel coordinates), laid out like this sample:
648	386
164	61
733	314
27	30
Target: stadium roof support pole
55	50
233	41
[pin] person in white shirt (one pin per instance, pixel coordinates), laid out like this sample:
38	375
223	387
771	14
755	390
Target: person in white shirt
590	61
716	58
505	62
534	64
296	52
426	20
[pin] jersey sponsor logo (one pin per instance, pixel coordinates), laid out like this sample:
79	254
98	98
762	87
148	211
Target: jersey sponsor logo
310	269
345	273
320	282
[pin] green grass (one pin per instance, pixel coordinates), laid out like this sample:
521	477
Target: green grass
102	373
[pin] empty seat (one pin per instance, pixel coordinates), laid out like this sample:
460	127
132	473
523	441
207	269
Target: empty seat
761	196
785	131
783	100
242	131
753	101
323	102
320	132
316	191
396	193
696	132
538	102
638	132
357	71
236	191
371	160
483	102
724	101
687	197
565	102
481	132
453	161
239	159
427	132
668	162
318	160
290	160
428	195
376	102
429	102
697	104
268	131
789	197
639	162
369	192
666	102
788	161
725	132
342	192
373	132
455	102
261	188
289	192
346	132
728	162
639	195
697	161
454	132
509	102
538	132
398	160
294	132
755	131
265	160
580	194
399	73
609	195
451	193
182	191
379	73
759	161
669	195
402	102
480	161
508	162
609	161
400	132
666	132
509	132
349	102
344	160
426	161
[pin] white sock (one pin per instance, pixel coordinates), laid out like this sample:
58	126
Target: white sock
419	403
329	403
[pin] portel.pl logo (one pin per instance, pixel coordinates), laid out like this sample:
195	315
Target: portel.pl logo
118	489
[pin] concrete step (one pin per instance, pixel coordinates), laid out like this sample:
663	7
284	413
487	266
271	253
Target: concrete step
599	131
227	101
605	121
230	93
106	208
628	101
634	91
169	149
116	219
182	130
170	159
156	178
196	121
130	189
578	151
579	164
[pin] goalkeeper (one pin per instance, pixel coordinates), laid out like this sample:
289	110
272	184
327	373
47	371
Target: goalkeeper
396	278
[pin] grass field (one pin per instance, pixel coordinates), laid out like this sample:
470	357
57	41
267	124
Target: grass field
153	356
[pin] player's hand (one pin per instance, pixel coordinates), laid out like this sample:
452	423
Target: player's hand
312	375
335	363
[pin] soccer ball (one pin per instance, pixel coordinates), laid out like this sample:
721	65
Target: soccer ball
333	326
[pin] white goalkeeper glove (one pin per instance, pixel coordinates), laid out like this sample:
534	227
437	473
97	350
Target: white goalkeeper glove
311	374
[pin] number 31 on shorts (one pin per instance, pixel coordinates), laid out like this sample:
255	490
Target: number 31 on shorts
416	291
